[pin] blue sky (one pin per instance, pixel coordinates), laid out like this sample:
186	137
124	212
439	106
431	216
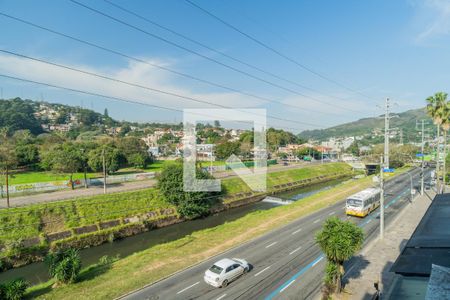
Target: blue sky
397	49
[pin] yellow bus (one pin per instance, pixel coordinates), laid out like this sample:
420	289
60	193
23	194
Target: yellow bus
363	203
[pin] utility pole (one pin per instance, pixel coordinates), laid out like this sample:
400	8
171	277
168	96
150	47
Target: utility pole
386	134
423	158
7	185
104	171
401	136
381	200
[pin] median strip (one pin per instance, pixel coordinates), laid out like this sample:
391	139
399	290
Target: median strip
268	246
262	271
185	289
287	286
295	250
297	231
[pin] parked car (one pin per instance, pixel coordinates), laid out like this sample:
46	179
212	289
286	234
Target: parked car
225	271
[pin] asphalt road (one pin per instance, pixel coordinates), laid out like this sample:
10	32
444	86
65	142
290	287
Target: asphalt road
286	263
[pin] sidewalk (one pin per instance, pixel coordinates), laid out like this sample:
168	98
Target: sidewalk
375	260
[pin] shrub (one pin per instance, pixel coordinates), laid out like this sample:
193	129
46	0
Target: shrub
13	290
64	265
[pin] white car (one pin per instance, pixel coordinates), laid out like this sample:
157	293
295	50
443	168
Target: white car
225	271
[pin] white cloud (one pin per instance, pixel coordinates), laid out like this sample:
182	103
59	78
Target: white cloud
133	72
434	16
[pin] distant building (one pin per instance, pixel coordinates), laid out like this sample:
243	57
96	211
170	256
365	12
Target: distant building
205	152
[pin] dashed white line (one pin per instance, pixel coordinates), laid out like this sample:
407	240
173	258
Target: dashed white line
185	289
317	261
271	244
297	231
287	286
221	297
316	221
331	213
262	271
295	250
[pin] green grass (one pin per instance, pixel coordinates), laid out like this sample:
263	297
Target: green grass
162	260
33	177
43	176
25	222
236	185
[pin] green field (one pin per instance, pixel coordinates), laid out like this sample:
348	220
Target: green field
34	177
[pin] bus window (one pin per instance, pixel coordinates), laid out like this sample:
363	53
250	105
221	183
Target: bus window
354	202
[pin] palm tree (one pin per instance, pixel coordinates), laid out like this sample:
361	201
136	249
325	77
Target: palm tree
445	128
435	109
339	241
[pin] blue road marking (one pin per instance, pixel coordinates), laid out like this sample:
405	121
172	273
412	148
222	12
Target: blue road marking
311	264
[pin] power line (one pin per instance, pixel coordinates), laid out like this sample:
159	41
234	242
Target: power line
120	99
203	56
140	86
118	53
217	51
304	67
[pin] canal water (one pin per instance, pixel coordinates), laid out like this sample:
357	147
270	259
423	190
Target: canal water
38	272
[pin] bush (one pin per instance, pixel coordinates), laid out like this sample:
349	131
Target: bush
13	290
64	265
189	204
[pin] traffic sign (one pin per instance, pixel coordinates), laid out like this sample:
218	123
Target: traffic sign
388	170
419	155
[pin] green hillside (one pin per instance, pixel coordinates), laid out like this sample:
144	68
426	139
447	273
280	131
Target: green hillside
405	121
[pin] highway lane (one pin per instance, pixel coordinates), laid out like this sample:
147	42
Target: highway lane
286	262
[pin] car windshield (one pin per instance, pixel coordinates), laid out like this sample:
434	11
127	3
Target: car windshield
354	202
216	269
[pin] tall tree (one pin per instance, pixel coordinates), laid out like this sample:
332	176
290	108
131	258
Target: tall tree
435	108
189	204
64	159
445	128
8	160
339	241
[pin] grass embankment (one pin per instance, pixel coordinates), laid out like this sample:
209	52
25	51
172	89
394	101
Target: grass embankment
160	261
33	220
236	185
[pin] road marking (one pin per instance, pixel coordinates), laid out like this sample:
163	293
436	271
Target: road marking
317	261
297	231
221	297
370	220
331	213
287	286
188	287
316	221
271	244
262	271
295	250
